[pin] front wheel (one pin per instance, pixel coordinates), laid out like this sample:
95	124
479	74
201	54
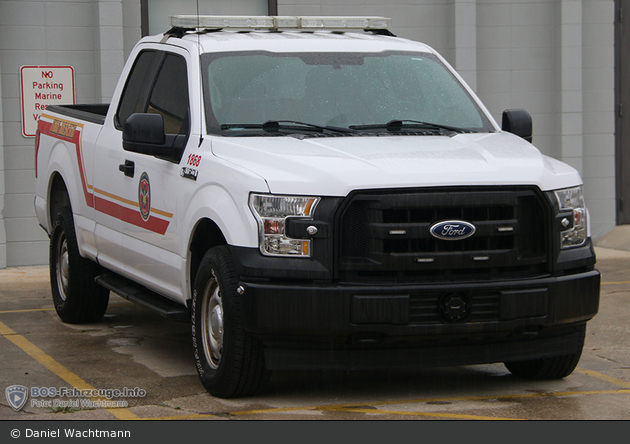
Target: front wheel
556	367
230	362
77	298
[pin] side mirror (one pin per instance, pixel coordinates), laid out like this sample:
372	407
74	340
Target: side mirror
519	122
144	133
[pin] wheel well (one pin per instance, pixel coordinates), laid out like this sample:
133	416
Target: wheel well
207	235
58	197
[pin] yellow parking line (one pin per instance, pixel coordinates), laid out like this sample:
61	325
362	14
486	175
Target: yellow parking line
47	361
429	414
247	412
594	374
179	417
357	409
354	408
345	410
27	310
616	283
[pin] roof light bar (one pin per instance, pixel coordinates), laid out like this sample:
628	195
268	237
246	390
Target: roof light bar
287	22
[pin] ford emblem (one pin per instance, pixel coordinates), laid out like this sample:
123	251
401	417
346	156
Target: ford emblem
452	230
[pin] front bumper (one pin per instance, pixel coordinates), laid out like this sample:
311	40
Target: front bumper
310	325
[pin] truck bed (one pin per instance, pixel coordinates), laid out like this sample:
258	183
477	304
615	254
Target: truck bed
94	113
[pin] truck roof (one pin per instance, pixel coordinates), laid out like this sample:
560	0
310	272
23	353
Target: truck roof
356	34
301	41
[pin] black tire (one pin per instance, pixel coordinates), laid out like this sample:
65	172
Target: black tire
556	367
77	298
230	362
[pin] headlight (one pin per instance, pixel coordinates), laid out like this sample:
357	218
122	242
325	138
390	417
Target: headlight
271	212
574	227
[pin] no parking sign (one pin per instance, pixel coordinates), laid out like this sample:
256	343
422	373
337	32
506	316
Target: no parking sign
41	86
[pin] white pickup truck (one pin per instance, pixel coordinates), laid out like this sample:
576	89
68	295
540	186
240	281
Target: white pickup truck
315	193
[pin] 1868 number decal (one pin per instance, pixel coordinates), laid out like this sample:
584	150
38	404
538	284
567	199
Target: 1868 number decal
194	160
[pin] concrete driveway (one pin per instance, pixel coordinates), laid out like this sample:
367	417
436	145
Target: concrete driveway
133	348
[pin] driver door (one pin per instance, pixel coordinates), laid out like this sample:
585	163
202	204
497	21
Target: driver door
140	192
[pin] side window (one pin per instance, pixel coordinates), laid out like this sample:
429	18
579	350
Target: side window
169	96
139	82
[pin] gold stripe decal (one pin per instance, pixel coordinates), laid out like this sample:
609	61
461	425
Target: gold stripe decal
130	202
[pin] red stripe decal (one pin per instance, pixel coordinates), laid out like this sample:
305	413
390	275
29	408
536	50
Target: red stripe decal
130	216
108	207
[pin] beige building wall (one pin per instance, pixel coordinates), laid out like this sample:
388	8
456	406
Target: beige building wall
554	58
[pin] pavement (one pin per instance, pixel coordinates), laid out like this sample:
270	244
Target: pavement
615	243
134	347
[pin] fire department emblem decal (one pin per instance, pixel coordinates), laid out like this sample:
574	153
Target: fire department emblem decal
144	196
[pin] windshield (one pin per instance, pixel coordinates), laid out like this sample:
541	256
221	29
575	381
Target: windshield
341	90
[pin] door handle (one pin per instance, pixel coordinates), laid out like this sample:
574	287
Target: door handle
128	168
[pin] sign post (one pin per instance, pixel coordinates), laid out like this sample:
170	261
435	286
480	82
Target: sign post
41	86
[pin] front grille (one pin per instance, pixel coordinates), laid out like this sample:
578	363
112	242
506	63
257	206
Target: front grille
387	235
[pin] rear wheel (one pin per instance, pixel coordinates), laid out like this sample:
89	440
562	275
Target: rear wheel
77	298
556	367
230	362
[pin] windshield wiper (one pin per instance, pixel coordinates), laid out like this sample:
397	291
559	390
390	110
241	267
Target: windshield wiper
286	125
398	125
274	125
